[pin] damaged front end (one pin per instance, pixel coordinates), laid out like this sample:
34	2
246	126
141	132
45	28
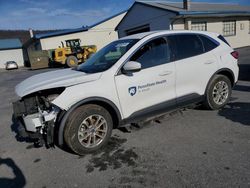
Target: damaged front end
36	116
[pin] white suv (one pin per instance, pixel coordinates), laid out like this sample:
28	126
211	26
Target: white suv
130	79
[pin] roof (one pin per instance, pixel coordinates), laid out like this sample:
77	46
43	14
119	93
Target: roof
109	18
7	44
165	32
138	35
77	30
200	8
197	9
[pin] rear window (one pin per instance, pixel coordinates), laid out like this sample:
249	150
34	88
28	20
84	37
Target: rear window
187	45
208	43
223	39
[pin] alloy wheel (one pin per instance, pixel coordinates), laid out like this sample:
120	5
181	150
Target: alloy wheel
220	92
92	131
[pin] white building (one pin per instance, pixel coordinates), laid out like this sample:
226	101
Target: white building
230	20
98	34
11	50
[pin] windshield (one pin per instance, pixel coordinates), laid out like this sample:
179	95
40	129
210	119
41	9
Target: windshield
107	56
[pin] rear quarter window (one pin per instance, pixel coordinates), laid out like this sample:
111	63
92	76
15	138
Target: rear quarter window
223	39
209	44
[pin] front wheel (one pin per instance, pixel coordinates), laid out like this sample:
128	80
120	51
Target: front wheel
88	128
218	92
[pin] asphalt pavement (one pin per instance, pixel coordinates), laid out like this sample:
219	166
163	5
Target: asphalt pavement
191	148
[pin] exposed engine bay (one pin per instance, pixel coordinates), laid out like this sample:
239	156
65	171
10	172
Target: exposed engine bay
36	116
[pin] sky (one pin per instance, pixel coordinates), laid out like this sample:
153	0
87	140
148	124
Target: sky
65	14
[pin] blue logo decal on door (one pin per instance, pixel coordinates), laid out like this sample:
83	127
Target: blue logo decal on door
132	91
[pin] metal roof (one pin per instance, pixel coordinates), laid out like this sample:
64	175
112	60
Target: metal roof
98	23
200	8
77	30
7	44
59	33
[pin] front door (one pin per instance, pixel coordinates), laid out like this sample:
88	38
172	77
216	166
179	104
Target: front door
153	85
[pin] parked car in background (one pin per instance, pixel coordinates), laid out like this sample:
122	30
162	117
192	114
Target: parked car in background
11	65
138	76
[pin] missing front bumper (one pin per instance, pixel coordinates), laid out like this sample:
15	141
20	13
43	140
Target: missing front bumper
39	139
38	127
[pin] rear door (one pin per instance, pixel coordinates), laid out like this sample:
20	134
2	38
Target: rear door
194	66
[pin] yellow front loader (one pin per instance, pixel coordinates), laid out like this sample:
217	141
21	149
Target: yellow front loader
73	53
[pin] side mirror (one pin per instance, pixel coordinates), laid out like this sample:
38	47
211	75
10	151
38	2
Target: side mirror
131	66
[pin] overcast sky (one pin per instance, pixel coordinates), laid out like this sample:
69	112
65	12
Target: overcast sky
62	14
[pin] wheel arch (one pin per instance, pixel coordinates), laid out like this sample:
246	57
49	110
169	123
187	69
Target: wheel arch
222	72
105	103
226	72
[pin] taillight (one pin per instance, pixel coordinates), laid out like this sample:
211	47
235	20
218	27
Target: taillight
235	54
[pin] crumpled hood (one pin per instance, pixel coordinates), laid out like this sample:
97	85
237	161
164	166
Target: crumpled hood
54	79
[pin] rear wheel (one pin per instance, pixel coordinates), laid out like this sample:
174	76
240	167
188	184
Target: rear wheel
218	92
72	61
88	129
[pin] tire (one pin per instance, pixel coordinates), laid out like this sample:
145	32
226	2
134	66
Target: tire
216	98
78	127
72	61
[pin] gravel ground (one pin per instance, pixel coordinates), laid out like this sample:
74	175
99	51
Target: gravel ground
191	148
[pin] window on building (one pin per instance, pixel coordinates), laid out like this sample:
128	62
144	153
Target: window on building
229	28
199	26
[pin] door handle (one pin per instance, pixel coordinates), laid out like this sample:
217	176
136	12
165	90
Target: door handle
209	62
165	73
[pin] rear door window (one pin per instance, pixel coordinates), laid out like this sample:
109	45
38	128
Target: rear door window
186	45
